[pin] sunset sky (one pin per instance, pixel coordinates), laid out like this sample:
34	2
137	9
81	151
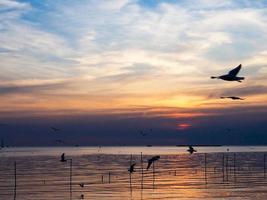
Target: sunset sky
101	71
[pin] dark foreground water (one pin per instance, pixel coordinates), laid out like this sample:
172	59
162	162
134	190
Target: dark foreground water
211	173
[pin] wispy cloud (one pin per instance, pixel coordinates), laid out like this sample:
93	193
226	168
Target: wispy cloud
160	53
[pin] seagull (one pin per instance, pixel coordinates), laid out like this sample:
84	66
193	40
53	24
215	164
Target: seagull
55	129
81	185
231	76
191	150
228	130
63	158
60	141
233	98
131	169
152	160
143	133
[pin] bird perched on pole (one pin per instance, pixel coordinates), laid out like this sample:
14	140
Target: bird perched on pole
131	169
63	158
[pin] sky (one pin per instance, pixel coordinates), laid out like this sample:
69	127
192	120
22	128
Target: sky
102	71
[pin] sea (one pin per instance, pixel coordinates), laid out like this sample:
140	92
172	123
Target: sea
101	173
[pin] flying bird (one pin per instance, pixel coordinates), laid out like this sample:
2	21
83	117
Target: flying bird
191	150
233	98
143	133
231	76
63	158
60	141
131	169
55	129
81	185
152	160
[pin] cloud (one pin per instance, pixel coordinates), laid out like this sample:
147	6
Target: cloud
117	53
9	5
247	91
33	86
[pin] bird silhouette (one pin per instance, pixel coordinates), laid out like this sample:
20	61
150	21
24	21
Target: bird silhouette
143	133
60	141
231	76
152	160
191	150
81	185
233	98
55	129
63	158
131	169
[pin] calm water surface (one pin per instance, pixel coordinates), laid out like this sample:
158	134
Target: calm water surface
211	173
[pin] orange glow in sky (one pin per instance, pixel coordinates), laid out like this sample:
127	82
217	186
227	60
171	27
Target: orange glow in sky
184	126
102	68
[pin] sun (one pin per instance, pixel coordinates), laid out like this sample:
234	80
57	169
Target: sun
184	126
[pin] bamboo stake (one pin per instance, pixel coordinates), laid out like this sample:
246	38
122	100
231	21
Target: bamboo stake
15	180
70	179
205	161
142	171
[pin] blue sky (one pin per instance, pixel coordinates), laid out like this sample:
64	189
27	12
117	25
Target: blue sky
131	58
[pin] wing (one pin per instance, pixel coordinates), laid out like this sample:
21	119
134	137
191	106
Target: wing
149	164
235	71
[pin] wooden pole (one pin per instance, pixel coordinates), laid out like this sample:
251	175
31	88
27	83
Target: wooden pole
153	175
223	166
205	161
70	178
226	167
130	174
142	171
264	165
109	177
235	167
15	180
